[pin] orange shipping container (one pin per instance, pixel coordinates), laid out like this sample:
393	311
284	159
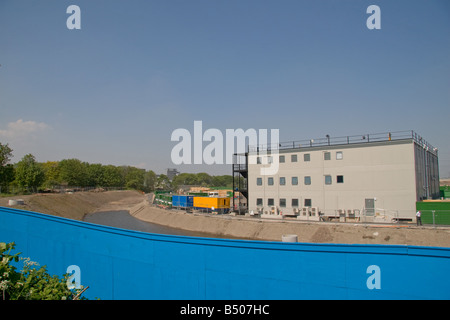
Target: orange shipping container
212	202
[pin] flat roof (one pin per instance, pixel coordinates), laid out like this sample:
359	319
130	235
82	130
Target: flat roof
347	140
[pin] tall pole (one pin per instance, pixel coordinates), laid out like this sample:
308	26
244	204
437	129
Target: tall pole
426	170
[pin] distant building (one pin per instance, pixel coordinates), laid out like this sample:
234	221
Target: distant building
375	174
172	173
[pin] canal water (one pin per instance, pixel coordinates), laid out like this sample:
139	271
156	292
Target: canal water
123	220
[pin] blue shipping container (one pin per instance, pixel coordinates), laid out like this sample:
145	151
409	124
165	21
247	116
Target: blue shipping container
183	201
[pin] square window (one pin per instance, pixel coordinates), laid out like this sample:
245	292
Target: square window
340	179
282	181
269	159
327	179
308	203
293	158
270	202
294	181
339	155
259	202
294	202
258	160
283	203
326	156
259	181
307	180
306	157
282	159
270	181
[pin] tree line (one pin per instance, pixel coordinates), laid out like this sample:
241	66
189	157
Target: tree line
32	176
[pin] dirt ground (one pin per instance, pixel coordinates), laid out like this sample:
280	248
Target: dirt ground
77	205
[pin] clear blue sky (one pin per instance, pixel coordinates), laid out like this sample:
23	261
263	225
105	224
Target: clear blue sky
114	91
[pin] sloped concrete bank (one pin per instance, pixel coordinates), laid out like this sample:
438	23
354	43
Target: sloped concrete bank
315	232
78	204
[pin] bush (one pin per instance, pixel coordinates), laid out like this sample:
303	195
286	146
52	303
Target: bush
30	283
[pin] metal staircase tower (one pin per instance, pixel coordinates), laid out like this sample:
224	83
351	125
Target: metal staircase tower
240	182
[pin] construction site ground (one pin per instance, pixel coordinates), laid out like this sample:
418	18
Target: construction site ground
77	205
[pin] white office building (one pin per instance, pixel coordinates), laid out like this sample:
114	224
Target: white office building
379	175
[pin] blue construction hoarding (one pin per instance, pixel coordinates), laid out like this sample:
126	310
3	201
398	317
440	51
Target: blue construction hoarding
123	264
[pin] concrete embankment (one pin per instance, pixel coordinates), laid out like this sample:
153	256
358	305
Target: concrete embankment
314	232
76	205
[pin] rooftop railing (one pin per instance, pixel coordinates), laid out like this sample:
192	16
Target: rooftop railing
333	141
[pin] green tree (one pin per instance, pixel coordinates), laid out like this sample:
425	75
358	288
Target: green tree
112	176
149	181
185	179
73	172
6	169
5	154
204	179
7	175
134	177
30	283
29	173
222	181
51	173
163	182
95	175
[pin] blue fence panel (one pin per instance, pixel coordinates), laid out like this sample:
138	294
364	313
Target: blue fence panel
125	264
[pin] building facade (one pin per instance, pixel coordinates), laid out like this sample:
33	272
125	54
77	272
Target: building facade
383	174
172	173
